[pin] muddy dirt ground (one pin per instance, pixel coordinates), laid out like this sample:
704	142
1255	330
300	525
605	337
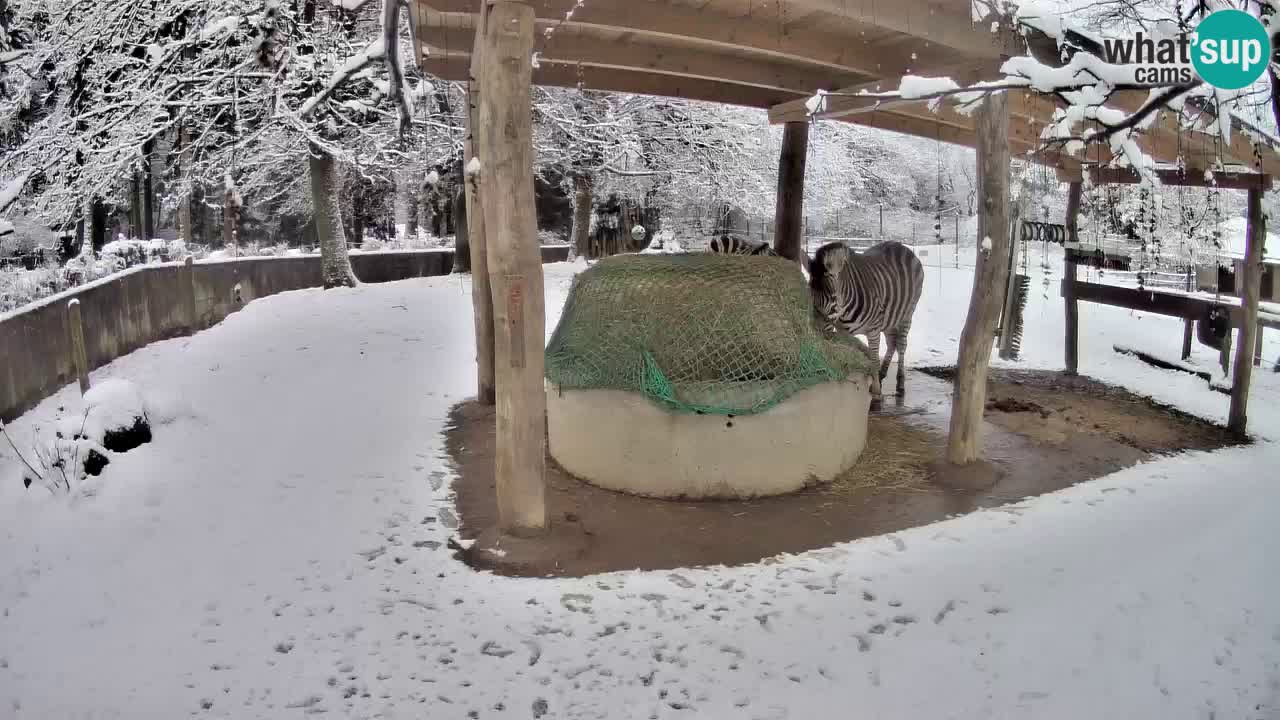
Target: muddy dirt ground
1044	431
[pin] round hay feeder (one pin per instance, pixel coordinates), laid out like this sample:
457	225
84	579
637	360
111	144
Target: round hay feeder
702	376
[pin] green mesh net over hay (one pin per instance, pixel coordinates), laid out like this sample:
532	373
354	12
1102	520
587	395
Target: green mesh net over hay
706	333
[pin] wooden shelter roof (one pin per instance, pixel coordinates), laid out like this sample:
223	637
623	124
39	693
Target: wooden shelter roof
775	54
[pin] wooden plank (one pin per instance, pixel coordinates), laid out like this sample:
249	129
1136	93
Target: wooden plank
75	331
1255	237
455	67
664	21
789	212
574	44
964	442
511	232
481	289
1072	221
1191	178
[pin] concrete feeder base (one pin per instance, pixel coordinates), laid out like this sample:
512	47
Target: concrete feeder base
623	441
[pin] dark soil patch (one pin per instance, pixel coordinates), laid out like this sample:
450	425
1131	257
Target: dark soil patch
1044	431
124	439
1054	408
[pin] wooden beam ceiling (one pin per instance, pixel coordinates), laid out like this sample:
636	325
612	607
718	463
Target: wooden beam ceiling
754	32
457	68
574	45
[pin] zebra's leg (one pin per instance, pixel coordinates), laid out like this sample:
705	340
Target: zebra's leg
891	337
873	344
903	330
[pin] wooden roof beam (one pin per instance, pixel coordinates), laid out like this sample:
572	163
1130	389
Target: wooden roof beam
456	67
943	22
572	47
1191	178
745	32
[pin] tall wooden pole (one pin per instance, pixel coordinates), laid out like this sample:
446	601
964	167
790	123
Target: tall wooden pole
481	293
789	212
1255	238
75	331
1072	223
504	131
964	443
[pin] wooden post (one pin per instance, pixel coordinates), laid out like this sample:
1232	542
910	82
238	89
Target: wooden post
789	213
481	292
1188	327
964	443
515	264
1255	238
187	279
1072	339
1257	347
79	359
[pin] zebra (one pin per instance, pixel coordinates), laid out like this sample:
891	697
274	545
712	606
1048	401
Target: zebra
868	294
737	245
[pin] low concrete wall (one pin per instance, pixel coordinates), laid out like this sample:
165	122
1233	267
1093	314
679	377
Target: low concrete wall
154	302
623	441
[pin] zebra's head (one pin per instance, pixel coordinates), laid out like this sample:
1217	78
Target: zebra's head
824	273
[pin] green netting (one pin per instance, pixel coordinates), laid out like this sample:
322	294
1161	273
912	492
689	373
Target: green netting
707	333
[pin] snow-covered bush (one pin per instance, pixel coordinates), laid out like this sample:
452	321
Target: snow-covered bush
114	420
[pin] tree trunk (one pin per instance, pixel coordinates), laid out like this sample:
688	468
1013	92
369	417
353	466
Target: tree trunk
357	217
426	207
402	207
581	234
185	230
462	242
788	237
1255	238
335	266
506	156
135	205
231	218
148	192
97	224
964	443
478	257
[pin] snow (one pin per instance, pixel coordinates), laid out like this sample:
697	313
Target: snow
226	25
817	103
473	166
914	86
279	549
6	227
12	189
433	177
1235	233
986	243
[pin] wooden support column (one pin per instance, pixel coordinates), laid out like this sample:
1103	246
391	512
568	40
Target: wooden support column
789	214
481	292
1257	347
1255	238
964	443
505	139
1188	330
1072	339
75	332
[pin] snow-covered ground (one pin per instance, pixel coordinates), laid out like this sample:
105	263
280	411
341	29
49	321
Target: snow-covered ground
279	551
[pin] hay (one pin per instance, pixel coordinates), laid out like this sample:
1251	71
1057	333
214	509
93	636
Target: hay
896	459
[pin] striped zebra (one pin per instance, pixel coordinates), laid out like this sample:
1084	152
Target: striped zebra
868	294
737	245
